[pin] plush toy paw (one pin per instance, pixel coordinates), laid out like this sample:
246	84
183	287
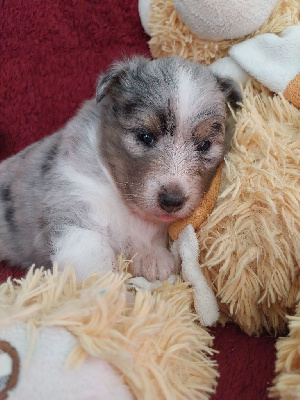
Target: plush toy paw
205	302
273	60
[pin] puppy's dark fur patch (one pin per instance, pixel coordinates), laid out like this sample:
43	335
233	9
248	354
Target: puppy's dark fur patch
49	159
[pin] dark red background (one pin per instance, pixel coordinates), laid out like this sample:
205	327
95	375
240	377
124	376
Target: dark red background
51	53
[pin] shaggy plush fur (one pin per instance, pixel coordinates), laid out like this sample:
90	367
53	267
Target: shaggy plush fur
250	243
161	352
287	383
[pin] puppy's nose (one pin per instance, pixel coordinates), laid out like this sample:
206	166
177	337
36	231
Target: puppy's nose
171	200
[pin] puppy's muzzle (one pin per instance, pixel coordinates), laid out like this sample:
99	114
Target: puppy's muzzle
171	200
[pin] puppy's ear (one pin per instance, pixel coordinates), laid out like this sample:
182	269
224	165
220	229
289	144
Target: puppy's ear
115	74
231	90
104	83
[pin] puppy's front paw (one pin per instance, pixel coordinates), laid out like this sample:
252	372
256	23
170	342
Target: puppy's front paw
154	265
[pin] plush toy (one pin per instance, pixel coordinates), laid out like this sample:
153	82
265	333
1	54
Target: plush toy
62	340
250	243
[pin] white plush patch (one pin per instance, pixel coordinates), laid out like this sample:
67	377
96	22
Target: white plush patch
273	60
205	301
5	364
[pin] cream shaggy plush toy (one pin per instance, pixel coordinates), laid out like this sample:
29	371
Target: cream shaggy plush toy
64	340
250	244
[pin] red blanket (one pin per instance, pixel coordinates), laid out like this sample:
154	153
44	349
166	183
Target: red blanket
51	55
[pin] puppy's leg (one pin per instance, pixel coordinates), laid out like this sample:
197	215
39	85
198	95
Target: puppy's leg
154	264
87	251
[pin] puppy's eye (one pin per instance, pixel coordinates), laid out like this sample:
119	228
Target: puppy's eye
204	146
146	138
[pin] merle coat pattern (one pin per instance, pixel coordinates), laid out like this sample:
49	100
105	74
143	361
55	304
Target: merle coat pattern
141	154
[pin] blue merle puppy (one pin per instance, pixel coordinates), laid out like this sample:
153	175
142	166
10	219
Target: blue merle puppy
139	155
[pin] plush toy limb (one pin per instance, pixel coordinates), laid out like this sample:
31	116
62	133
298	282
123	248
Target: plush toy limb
227	67
186	247
273	60
205	302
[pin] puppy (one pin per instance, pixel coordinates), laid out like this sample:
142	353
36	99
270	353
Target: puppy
140	155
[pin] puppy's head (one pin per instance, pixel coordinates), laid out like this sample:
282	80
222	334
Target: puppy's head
163	132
